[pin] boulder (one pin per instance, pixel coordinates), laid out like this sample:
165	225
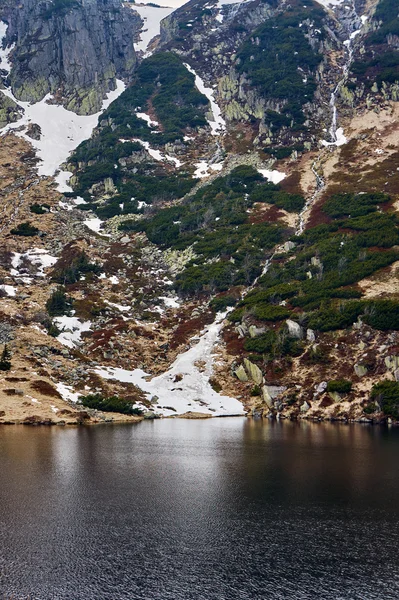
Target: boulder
392	362
321	387
253	371
294	329
267	397
304	407
360	370
310	335
241	374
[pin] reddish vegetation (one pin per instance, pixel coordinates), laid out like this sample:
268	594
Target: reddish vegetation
45	388
292	183
234	344
187	329
263	214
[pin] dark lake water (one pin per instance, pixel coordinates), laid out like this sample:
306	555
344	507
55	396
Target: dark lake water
222	509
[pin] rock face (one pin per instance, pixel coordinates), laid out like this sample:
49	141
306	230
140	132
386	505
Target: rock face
73	48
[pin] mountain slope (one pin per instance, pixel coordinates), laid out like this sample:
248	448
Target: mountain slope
251	167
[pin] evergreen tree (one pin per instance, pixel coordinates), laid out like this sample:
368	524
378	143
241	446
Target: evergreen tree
5	360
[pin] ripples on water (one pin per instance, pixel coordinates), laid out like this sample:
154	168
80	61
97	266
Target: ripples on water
227	509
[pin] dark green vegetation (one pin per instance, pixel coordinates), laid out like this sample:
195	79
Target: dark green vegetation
341	386
381	61
319	283
80	265
110	404
58	304
163	86
25	229
386	395
5	359
39	209
271	59
229	248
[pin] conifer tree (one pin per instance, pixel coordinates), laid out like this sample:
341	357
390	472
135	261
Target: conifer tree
5	360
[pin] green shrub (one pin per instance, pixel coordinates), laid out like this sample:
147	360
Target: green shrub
58	304
256	391
25	229
341	386
271	313
110	404
80	265
370	408
39	209
221	303
386	394
382	314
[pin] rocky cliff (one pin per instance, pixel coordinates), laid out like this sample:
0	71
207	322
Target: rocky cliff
74	49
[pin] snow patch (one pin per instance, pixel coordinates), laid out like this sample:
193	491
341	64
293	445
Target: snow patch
152	17
148	119
66	392
38	257
10	290
95	225
330	3
72	330
340	139
184	387
156	154
203	167
272	176
5	64
218	124
61	132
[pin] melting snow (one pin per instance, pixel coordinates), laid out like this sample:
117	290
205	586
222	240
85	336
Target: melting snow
340	141
190	393
66	392
148	119
156	154
218	124
61	131
170	302
152	17
10	290
203	167
5	64
94	224
272	176
38	257
329	3
72	330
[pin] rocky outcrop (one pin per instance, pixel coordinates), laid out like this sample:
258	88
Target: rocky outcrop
75	49
9	111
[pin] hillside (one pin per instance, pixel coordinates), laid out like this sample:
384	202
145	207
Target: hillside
229	226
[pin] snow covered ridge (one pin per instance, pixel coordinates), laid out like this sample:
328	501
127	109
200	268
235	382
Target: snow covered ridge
218	124
184	387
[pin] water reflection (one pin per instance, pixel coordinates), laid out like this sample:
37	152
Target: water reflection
173	509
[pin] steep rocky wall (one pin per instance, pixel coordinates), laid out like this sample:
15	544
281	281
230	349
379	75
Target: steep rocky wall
72	48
